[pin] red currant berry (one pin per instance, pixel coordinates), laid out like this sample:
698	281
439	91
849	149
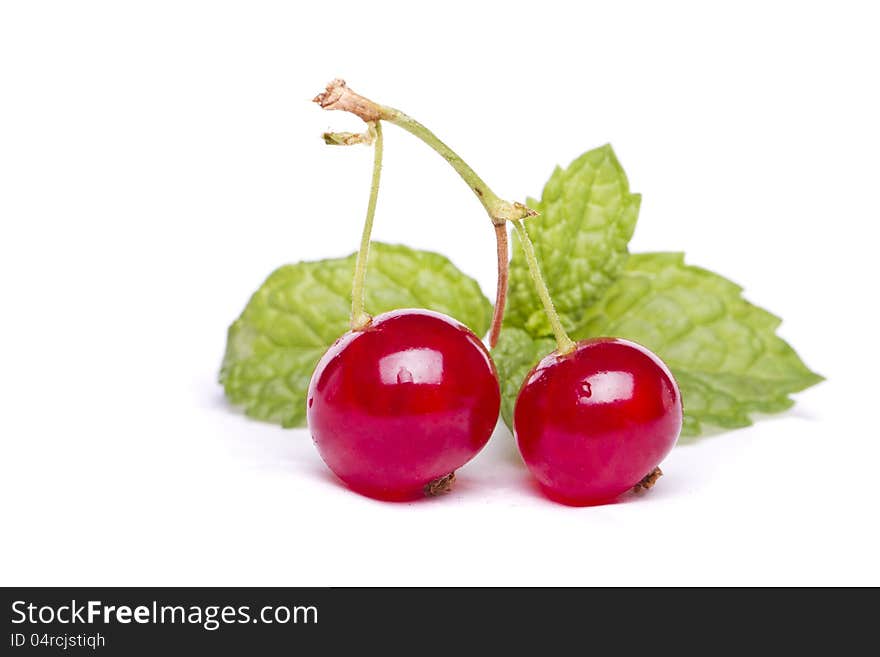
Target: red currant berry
402	403
593	423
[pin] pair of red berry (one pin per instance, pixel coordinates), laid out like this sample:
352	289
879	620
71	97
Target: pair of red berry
398	406
404	399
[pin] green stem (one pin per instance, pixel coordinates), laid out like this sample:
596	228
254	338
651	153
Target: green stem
359	317
564	343
338	96
495	206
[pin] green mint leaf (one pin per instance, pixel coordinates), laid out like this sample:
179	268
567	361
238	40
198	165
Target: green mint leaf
301	309
515	354
587	217
723	351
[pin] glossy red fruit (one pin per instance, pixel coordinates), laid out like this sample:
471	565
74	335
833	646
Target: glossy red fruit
593	423
406	401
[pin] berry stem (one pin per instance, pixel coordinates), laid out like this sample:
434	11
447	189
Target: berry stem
338	96
501	291
359	317
564	344
497	209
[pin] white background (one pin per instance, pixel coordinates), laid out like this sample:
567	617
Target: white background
158	160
